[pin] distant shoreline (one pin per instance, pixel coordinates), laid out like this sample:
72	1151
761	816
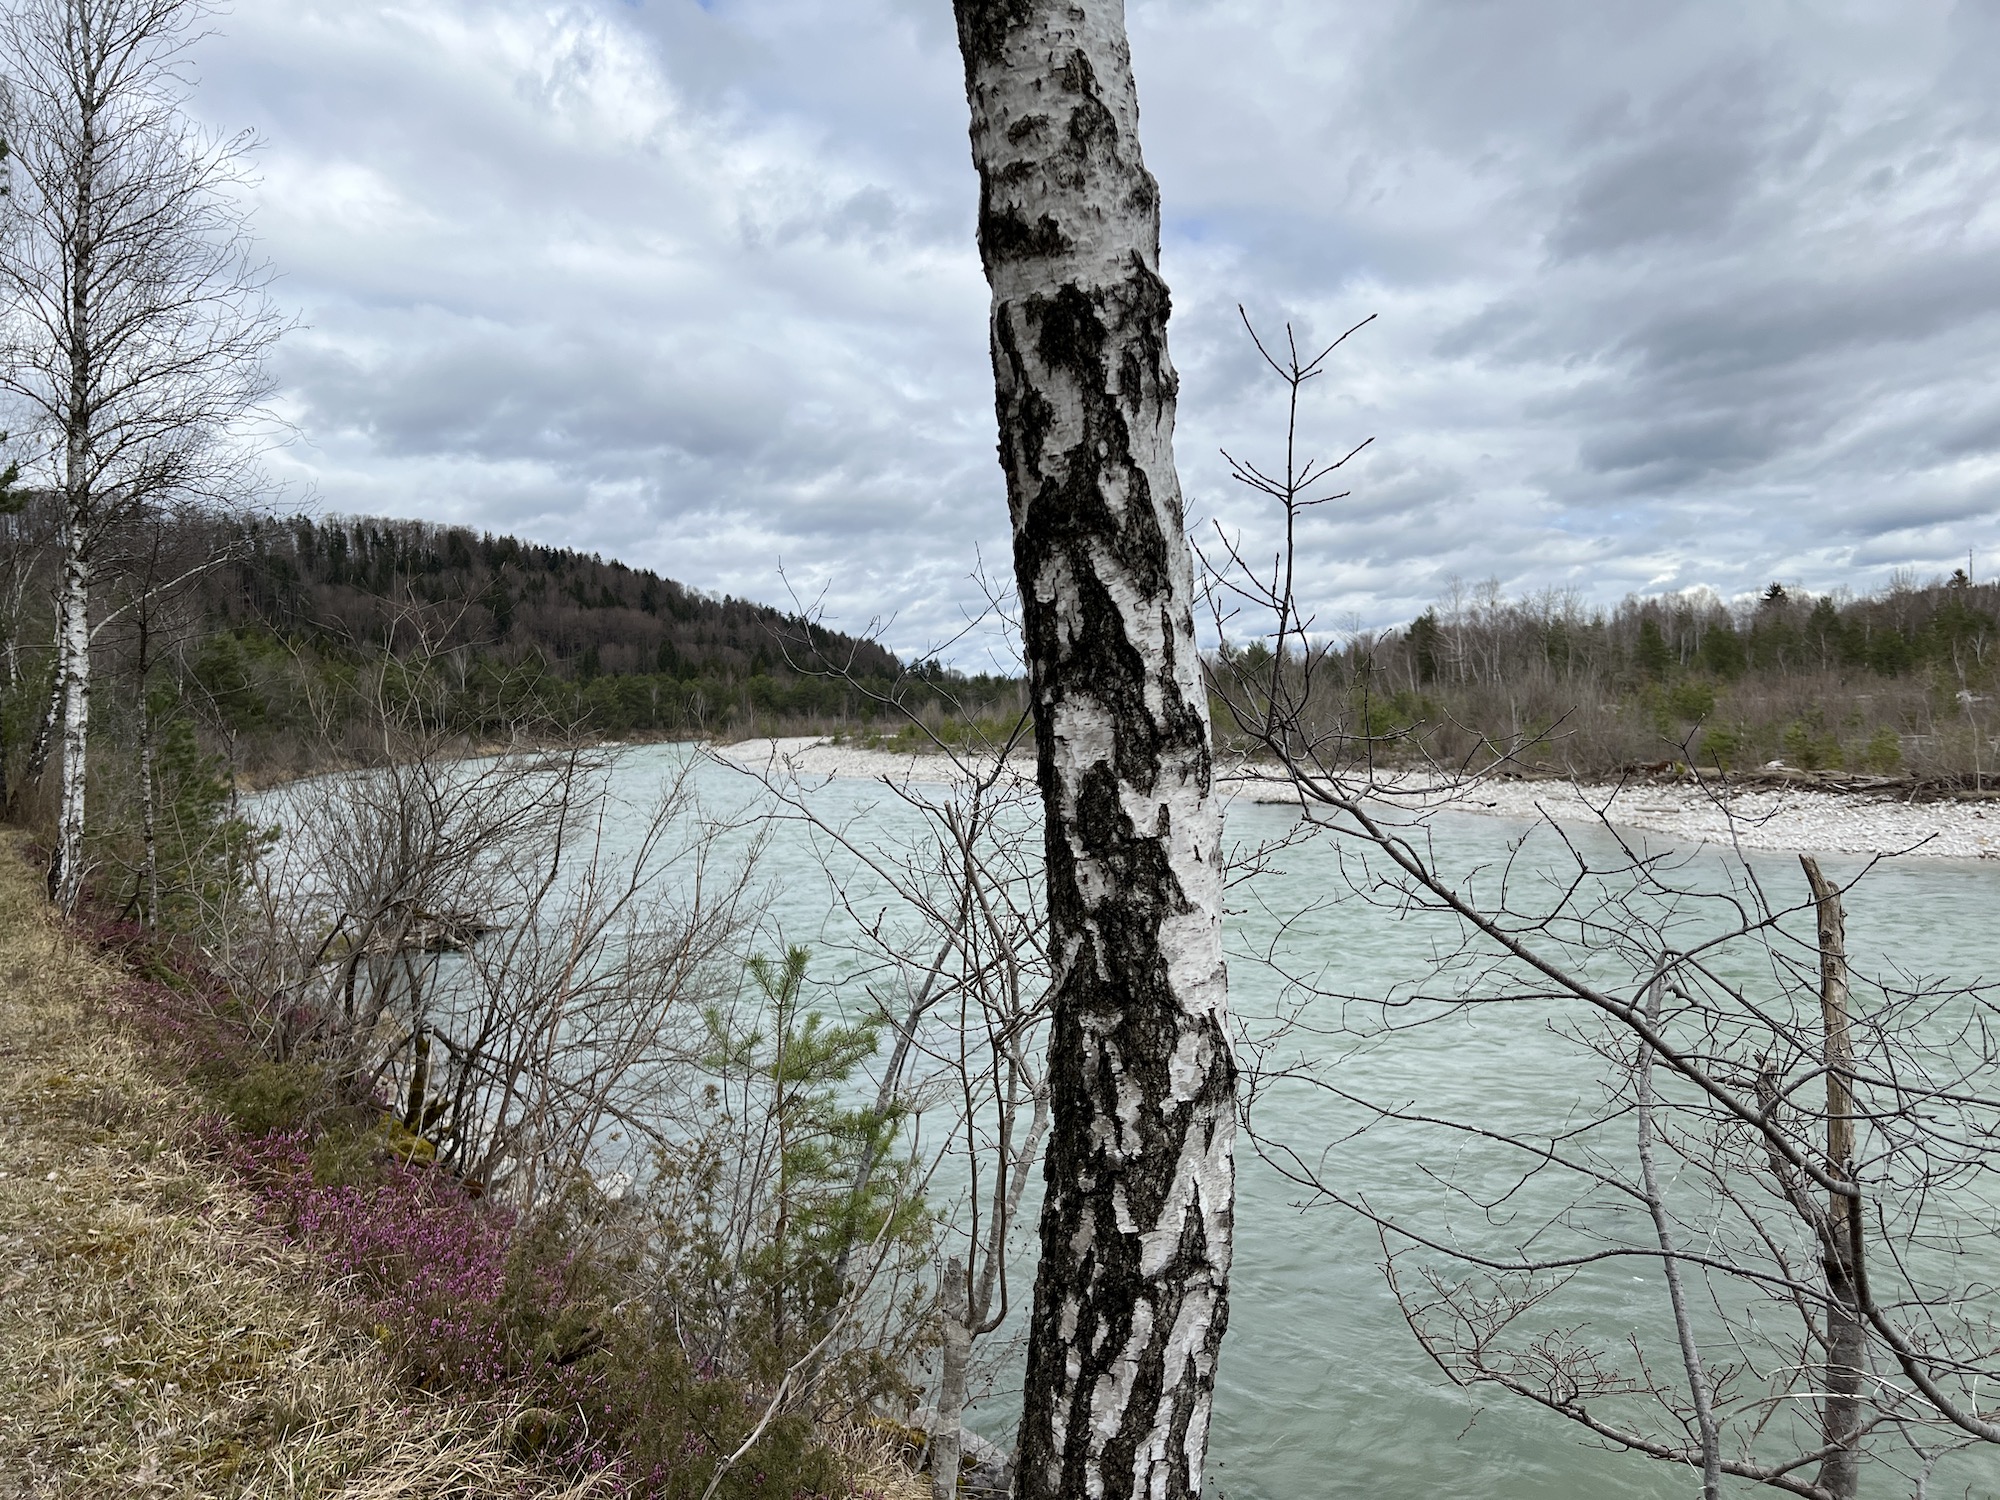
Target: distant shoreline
1762	817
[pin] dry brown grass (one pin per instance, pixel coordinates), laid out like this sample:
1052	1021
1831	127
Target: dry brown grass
154	1340
878	1456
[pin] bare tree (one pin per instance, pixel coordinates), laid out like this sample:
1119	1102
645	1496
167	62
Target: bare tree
507	952
1807	1175
136	319
153	619
1131	1298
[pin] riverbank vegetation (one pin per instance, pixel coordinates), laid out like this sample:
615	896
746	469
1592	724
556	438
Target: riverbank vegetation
504	1055
256	643
154	1331
1896	684
250	1239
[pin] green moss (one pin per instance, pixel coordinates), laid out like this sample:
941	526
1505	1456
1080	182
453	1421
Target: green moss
268	1096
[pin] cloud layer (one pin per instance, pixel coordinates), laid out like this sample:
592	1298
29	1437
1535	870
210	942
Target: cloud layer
1692	293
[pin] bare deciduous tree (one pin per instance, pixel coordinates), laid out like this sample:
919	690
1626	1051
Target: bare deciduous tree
153	620
136	319
1805	1173
495	942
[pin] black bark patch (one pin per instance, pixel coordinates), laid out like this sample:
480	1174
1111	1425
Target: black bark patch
986	26
1132	383
1092	128
1070	333
1101	824
1005	235
1149	306
1024	127
1025	414
1077	75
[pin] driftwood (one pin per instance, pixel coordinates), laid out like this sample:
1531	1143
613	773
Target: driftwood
1958	788
415	930
1912	788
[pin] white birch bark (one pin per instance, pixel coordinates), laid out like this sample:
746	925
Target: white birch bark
66	873
1131	1294
955	1359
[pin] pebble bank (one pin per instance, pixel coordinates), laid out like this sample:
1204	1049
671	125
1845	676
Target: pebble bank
1786	818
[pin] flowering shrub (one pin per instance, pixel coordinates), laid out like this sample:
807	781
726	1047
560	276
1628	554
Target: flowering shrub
543	1314
478	1304
427	1264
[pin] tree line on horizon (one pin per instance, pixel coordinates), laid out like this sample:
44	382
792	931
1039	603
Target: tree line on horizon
1897	681
276	616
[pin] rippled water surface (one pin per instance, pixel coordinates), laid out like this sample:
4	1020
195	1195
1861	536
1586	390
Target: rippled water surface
1322	1390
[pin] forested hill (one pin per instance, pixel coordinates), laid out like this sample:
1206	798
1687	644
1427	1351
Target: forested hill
348	582
625	650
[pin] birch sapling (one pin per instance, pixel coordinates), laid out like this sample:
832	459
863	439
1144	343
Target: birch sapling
135	322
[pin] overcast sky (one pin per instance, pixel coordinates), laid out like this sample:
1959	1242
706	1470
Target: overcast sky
1669	293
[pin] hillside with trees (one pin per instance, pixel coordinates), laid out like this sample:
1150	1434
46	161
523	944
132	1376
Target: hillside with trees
259	634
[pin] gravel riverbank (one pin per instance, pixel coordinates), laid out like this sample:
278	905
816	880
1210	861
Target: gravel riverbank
1792	818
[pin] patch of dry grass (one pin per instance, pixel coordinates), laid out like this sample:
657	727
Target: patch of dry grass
154	1339
878	1456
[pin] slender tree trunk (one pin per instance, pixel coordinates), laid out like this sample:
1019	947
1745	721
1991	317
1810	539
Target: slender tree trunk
73	655
66	874
148	806
1656	1204
1846	1333
148	810
955	1360
1131	1298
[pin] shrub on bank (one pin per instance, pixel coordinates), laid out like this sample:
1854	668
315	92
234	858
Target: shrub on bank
543	1316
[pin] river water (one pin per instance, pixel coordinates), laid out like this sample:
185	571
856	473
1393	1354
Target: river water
1322	1389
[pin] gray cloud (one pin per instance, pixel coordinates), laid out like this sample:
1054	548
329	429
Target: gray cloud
1691	293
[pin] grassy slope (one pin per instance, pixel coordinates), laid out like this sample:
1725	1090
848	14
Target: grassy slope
153	1338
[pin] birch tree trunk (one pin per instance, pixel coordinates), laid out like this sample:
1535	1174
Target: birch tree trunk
66	873
1131	1298
955	1358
